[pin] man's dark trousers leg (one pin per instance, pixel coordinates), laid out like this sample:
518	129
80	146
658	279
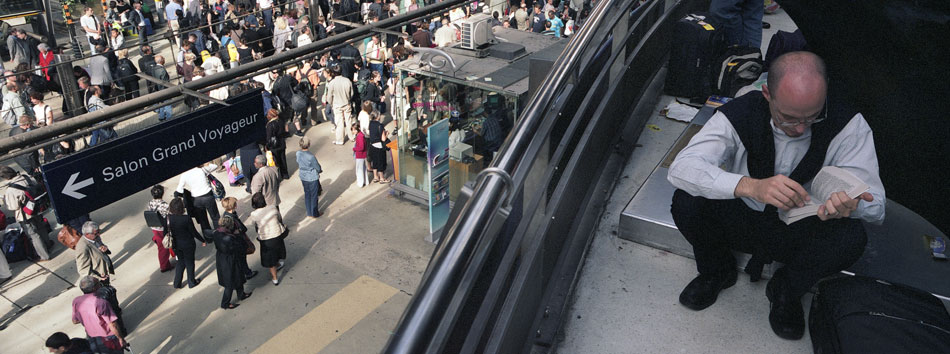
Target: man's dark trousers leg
811	249
209	205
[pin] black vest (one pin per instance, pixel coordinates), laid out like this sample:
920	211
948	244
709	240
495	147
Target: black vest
750	117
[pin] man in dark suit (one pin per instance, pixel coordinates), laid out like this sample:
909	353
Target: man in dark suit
137	19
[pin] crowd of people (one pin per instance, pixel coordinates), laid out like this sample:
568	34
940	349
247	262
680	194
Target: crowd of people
349	87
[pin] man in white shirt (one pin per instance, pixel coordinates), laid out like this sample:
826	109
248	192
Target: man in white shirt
203	204
92	28
172	18
770	145
445	35
267	9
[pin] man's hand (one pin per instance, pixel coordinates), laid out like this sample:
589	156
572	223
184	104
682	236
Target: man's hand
779	190
103	249
840	206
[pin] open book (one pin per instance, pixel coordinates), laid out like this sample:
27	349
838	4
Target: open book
829	180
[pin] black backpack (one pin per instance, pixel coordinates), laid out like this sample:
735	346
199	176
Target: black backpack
784	42
17	246
299	102
738	67
696	43
125	70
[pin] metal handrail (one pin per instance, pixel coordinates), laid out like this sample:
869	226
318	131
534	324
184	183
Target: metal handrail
454	254
42	135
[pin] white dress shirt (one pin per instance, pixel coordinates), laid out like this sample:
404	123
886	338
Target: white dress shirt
696	169
195	180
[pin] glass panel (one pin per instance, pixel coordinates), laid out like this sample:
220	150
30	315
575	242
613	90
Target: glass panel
479	119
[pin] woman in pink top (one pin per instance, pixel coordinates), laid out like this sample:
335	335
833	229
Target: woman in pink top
359	152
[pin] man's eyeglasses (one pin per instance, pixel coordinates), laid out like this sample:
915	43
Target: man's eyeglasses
794	123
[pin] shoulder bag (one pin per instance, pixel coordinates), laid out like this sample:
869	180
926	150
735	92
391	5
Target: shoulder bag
167	241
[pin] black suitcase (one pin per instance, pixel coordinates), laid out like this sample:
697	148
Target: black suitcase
696	43
865	315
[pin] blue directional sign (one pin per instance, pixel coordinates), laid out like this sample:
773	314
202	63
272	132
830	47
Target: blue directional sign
97	176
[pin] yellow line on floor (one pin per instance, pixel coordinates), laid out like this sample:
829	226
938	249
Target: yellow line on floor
328	321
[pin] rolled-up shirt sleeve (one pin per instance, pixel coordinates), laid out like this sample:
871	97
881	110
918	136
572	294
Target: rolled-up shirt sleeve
853	150
697	168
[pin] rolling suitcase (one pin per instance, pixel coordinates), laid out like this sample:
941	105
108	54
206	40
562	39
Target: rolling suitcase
865	315
696	43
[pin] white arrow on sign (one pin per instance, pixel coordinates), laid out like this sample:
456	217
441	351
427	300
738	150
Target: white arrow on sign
72	188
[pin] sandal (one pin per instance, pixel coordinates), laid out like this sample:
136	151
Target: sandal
231	306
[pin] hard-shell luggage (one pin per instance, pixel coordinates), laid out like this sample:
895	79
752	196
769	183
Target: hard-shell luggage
865	315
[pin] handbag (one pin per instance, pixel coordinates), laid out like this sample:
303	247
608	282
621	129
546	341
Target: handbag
68	236
217	189
270	159
167	240
250	245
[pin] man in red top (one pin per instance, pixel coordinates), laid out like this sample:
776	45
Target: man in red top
97	318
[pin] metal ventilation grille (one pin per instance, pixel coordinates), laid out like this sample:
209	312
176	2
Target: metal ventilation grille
468	35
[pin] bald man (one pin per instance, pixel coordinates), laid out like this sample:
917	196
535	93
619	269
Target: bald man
756	155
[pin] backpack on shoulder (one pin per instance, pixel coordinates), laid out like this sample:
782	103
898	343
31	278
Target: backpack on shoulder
37	199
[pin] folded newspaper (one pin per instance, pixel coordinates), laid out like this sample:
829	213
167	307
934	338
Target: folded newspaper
829	180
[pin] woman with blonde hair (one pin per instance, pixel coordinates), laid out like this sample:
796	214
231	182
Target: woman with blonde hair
271	233
367	109
229	204
281	34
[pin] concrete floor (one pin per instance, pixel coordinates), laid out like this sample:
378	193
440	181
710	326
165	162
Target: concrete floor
626	300
368	250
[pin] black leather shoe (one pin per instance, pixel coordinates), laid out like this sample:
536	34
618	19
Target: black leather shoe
197	281
250	275
246	295
704	289
786	314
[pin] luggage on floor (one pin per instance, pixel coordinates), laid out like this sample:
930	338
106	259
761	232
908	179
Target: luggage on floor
17	246
734	69
696	42
865	315
68	236
784	42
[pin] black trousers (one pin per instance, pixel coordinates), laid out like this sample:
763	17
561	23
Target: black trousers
244	267
280	161
186	261
205	206
228	290
811	249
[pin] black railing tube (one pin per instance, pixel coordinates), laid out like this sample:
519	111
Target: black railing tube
441	280
449	262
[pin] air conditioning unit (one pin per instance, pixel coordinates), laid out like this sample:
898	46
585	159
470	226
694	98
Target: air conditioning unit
476	31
